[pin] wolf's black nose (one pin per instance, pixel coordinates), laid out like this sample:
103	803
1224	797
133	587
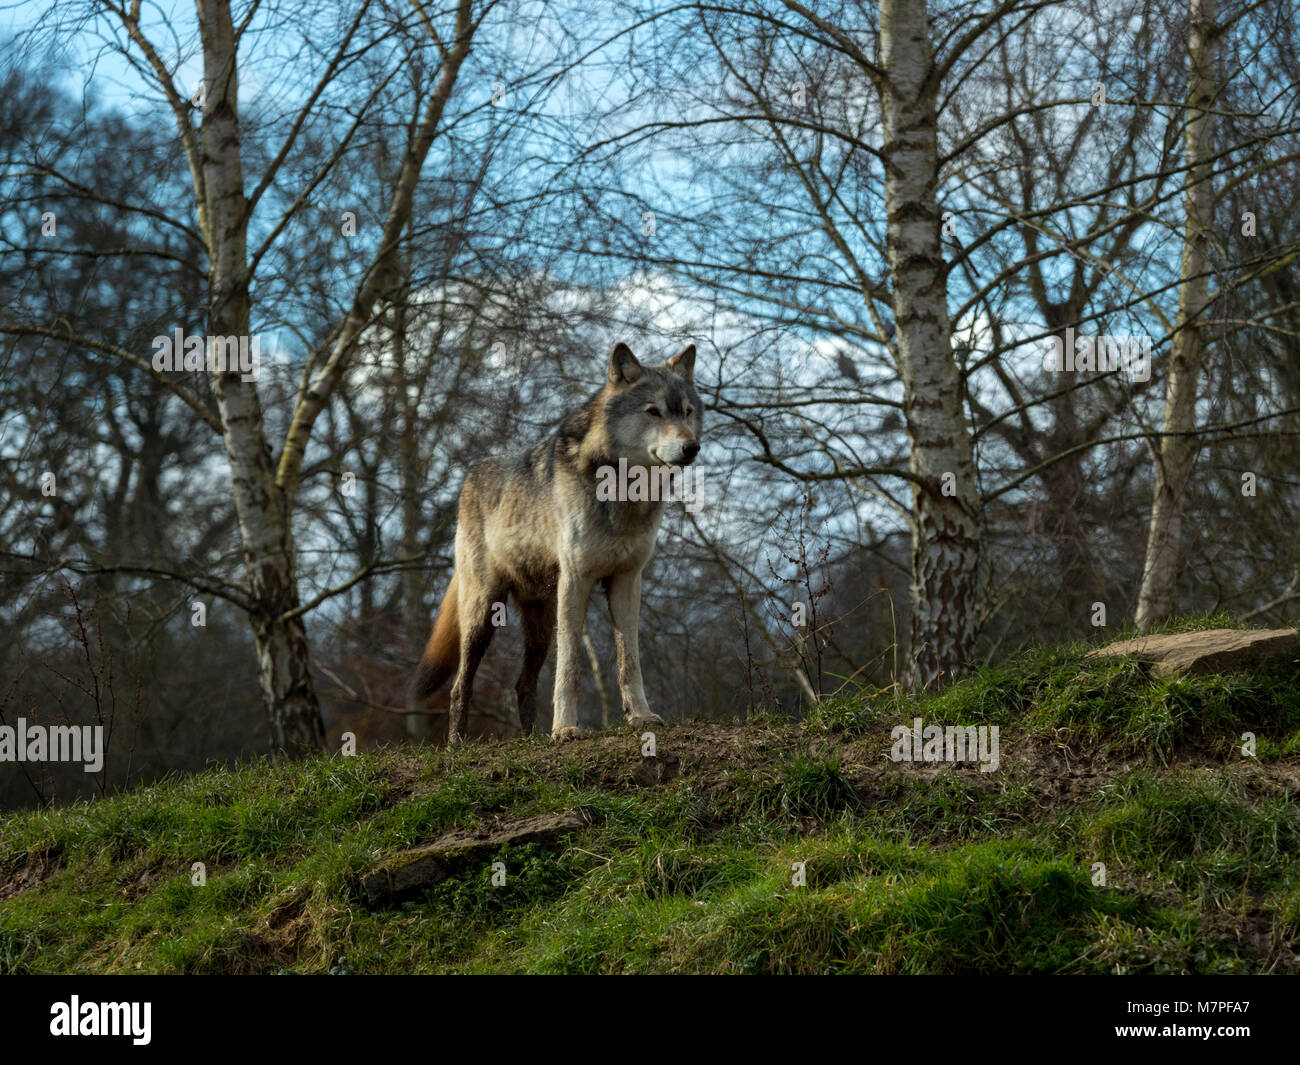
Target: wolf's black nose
690	451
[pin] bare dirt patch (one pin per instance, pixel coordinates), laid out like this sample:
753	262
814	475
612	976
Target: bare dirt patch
29	871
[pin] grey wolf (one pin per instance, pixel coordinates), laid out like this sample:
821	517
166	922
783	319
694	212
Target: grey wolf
532	526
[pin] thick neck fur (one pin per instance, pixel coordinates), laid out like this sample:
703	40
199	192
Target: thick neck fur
583	445
583	437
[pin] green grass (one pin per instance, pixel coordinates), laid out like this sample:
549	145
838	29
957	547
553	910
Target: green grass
1112	703
812	785
1215	836
906	869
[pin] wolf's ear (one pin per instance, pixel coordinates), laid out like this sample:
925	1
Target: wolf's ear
623	367
683	363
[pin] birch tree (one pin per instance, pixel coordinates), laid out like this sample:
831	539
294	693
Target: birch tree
842	172
264	490
1175	451
264	484
945	495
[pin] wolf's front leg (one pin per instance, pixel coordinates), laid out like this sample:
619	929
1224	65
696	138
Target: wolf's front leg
570	616
624	612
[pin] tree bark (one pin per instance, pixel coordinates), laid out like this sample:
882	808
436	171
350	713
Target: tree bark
260	506
1176	454
945	510
264	493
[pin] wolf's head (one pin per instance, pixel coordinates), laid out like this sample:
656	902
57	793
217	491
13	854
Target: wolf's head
652	414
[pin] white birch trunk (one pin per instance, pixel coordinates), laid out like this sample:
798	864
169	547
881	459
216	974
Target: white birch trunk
1175	455
945	510
260	506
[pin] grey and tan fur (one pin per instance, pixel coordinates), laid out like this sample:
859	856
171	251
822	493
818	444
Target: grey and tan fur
530	526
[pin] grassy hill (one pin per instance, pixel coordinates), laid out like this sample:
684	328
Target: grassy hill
909	867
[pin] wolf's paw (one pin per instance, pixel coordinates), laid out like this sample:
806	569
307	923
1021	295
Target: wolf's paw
566	734
640	721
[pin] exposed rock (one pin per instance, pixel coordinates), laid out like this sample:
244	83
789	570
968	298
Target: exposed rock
411	871
1208	651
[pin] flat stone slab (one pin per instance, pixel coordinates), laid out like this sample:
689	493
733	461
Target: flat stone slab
1209	651
409	872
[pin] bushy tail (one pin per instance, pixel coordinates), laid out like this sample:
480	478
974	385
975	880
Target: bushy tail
442	653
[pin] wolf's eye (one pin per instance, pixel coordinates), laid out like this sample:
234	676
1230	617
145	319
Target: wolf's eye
690	411
652	411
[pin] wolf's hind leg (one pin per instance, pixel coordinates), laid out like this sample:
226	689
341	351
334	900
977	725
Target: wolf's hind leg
538	620
476	600
624	611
